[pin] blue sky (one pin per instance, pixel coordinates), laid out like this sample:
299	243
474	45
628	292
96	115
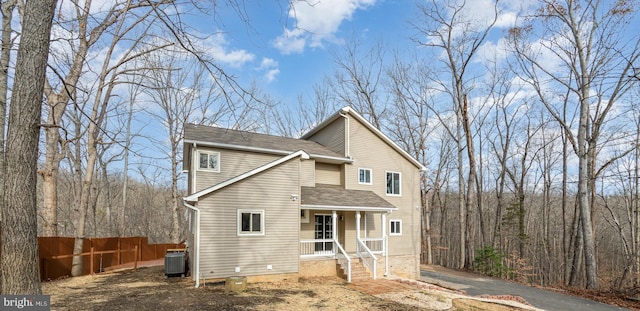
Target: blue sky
286	61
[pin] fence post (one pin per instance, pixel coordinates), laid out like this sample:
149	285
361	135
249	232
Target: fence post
135	263
91	261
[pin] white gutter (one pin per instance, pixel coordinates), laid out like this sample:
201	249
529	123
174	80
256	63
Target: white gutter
343	113
331	159
196	240
349	208
238	147
386	242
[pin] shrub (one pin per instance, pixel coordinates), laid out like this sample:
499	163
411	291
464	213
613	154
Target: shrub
488	261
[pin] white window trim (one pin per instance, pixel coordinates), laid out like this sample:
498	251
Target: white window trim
305	218
370	176
399	221
399	184
239	223
217	170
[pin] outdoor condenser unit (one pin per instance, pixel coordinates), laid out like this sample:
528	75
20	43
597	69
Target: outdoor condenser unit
174	264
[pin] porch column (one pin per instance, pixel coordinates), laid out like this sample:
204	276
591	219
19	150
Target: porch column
386	244
334	226
358	225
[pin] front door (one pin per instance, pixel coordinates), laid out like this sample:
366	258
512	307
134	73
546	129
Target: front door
324	231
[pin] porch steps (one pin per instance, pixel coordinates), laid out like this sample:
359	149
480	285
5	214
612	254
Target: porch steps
358	272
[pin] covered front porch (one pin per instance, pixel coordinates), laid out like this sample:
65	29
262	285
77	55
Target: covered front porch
351	233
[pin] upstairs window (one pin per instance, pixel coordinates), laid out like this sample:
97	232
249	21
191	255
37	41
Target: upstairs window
250	222
395	227
393	183
364	176
209	161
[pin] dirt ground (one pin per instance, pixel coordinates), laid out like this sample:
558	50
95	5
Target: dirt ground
147	289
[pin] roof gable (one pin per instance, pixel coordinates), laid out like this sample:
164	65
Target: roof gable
356	116
196	196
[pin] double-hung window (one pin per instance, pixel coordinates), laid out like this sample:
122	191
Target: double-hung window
364	176
250	222
209	161
395	227
393	183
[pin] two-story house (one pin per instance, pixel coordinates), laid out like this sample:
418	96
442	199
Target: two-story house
340	197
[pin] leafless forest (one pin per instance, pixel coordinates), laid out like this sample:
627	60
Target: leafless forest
530	136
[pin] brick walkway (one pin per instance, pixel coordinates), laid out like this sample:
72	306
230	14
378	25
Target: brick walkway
377	287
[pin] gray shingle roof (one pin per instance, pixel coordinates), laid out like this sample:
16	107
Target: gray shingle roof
218	135
331	195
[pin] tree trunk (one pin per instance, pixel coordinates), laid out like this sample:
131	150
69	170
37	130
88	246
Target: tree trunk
427	255
92	154
175	232
20	269
576	265
462	215
53	156
472	168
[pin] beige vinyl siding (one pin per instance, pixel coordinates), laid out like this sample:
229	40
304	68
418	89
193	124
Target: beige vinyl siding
332	136
329	174
222	250
372	225
307	230
308	173
349	234
232	163
369	151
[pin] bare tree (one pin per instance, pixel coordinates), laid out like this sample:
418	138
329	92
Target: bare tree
20	269
449	29
409	127
180	92
586	39
358	81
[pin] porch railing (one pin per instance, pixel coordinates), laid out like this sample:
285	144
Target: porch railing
319	248
367	256
343	259
376	245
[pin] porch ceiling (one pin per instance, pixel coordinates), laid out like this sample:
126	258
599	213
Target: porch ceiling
332	197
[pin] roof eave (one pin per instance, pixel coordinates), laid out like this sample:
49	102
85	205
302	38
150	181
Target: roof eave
349	208
323	158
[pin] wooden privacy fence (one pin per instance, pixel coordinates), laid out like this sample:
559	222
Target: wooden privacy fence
56	254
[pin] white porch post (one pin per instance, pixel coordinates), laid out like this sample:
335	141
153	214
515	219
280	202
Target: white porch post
386	244
334	226
358	225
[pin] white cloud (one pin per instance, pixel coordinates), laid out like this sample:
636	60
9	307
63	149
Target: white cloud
271	74
267	63
316	22
218	47
271	67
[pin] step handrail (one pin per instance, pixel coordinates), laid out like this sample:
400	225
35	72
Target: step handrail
343	259
368	258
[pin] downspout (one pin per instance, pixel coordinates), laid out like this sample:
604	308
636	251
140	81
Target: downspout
386	243
194	160
343	113
196	240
